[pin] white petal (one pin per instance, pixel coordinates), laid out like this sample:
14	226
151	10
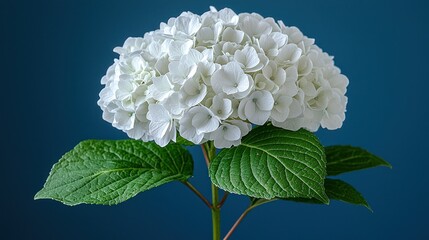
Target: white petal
264	100
221	106
188	24
179	48
240	95
254	115
161	65
248	57
191	87
158	113
230	78
279	38
141	112
232	132
304	66
295	109
280	111
233	69
293	124
193	57
340	82
291	74
268	70
191	135
158	129
232	35
217	79
243	83
163	141
267	43
205	34
193	96
251	25
123	120
289	54
241	108
204	124
161	88
219	140
307	87
162	83
244	127
204	121
172	104
279	116
137	131
228	17
187	130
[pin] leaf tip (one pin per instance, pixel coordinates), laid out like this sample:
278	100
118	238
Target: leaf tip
369	208
327	202
366	205
323	199
388	165
39	195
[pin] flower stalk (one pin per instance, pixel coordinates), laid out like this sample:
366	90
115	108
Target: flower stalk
209	152
215	213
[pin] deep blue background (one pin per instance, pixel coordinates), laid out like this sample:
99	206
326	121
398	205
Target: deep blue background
55	52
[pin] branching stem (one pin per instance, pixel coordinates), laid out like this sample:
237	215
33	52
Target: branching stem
222	201
237	222
206	157
201	196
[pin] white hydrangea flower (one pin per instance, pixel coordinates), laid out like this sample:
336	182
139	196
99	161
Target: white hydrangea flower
162	126
257	107
230	79
192	92
230	133
221	106
249	59
210	77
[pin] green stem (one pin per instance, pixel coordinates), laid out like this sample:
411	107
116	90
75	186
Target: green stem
248	209
194	190
222	201
209	153
238	222
215	213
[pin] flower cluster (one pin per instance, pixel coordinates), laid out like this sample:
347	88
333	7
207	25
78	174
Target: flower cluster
211	77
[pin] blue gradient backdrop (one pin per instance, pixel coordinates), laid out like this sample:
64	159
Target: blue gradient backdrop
55	52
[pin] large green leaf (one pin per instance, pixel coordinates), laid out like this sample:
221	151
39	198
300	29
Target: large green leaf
273	163
109	172
341	159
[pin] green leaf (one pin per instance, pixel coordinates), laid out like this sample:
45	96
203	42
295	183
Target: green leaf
342	191
341	159
272	163
335	189
109	172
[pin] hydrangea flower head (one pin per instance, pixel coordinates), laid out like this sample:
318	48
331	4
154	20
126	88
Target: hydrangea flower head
211	77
